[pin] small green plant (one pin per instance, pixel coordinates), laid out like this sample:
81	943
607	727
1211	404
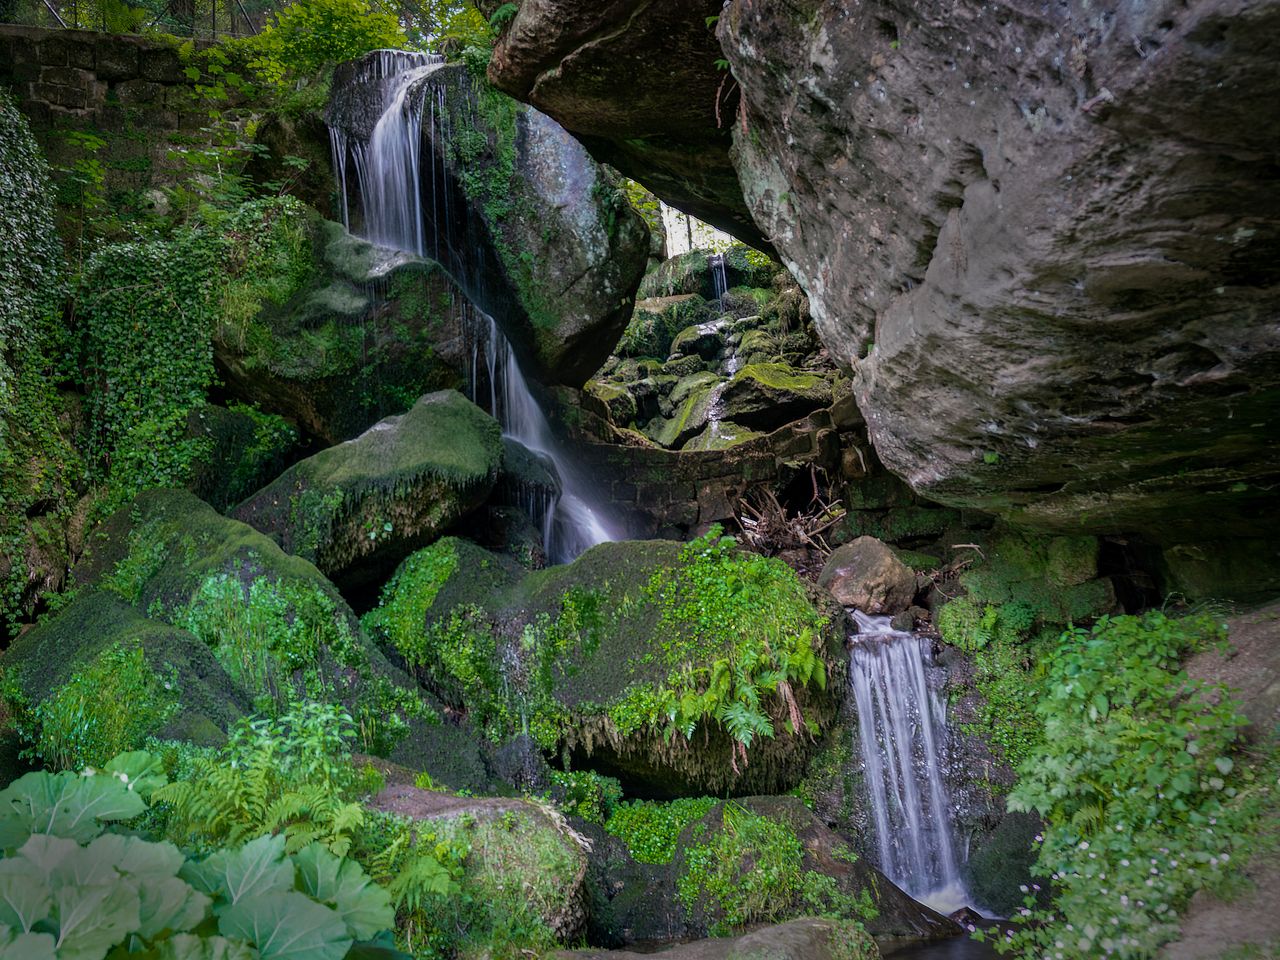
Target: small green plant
586	794
651	828
503	16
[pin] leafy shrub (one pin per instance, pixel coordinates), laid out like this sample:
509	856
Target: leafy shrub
650	828
106	708
309	34
586	794
70	889
752	871
1135	779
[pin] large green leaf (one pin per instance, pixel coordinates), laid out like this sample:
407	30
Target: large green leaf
24	901
26	946
91	920
167	903
287	926
254	869
363	905
63	805
186	946
138	770
137	857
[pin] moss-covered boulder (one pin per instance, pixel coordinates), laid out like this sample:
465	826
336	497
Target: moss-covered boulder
721	435
99	678
357	509
655	322
539	235
691	273
676	668
769	859
691	403
767	395
1025	582
246	449
366	332
272	621
523	866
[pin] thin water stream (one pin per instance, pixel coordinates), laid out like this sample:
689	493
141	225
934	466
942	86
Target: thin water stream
401	213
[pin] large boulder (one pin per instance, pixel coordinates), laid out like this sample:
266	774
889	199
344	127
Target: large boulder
591	658
767	395
358	509
367	332
868	575
783	842
647	99
272	621
1043	237
539	236
88	653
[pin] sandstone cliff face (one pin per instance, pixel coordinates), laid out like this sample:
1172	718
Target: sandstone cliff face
1044	237
637	82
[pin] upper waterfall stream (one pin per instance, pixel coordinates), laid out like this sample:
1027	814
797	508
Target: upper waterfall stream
901	737
405	207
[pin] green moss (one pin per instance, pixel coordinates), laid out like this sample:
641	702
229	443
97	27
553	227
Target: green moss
919	562
93	682
273	622
780	376
721	435
401	616
751	870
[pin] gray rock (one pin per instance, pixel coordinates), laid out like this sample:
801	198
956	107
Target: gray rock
866	574
1043	238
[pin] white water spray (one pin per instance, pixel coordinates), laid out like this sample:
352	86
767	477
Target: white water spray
901	734
389	177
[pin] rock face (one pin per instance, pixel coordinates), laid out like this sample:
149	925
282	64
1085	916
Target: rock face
1044	237
357	509
868	575
371	327
535	232
806	939
637	83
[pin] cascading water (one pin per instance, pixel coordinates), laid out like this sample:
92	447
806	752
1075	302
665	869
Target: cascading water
718	277
901	734
395	204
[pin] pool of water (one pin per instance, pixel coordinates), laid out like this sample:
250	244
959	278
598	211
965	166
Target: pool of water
957	948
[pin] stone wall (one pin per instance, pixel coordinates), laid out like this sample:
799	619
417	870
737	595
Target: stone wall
131	92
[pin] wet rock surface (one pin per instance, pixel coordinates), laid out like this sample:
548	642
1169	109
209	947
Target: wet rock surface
866	574
358	508
991	209
552	249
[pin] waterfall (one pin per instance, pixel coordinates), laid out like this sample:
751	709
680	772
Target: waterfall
399	212
901	734
716	262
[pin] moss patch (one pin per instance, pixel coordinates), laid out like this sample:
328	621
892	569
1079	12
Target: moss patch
364	505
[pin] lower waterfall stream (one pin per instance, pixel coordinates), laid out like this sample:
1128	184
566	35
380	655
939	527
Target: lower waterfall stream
901	738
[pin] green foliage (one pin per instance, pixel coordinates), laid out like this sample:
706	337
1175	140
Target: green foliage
971	627
503	16
651	828
752	871
68	889
1010	688
150	310
719	671
307	35
1136	780
289	775
106	708
586	794
401	615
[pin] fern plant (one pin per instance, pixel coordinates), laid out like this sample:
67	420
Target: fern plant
288	775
